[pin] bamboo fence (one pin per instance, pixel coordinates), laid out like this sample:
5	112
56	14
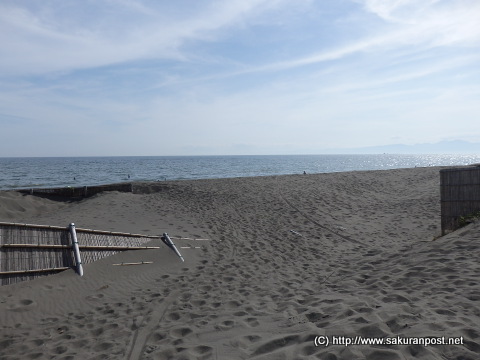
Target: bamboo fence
28	251
79	192
459	195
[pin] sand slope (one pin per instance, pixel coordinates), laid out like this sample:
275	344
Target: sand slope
290	258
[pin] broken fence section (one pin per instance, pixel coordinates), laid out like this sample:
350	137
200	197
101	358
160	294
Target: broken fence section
29	251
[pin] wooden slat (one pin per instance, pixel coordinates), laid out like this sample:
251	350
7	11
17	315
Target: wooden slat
32	271
38	246
113	233
134	263
34	226
117	233
83	247
187	238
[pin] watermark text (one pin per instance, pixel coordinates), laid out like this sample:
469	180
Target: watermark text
324	340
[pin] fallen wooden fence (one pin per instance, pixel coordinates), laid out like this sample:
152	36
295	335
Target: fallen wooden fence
28	251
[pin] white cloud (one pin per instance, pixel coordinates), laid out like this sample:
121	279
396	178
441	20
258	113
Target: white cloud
425	24
38	40
402	11
438	21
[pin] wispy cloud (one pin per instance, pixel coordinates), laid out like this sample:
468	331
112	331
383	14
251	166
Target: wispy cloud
74	35
440	22
418	26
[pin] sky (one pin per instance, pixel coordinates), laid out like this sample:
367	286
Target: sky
210	77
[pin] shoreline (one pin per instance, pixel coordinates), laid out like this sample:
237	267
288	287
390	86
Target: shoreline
25	189
62	172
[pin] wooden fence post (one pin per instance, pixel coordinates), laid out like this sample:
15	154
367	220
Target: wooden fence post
76	250
170	243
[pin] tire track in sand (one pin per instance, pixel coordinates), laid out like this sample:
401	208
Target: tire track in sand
143	332
306	216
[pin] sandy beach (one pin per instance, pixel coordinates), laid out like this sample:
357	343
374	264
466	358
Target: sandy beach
291	263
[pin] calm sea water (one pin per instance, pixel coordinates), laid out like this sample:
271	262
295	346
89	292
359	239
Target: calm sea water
80	171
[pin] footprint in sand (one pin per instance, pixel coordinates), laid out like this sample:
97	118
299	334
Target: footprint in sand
181	332
173	316
202	350
252	322
22	305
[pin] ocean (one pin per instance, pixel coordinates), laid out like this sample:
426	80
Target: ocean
37	172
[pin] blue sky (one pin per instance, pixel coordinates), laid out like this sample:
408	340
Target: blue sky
188	77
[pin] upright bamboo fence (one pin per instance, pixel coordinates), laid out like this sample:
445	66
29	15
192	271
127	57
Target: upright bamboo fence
459	195
30	251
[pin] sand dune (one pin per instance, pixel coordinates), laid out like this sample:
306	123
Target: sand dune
290	258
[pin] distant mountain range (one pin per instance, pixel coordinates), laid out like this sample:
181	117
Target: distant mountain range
443	147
